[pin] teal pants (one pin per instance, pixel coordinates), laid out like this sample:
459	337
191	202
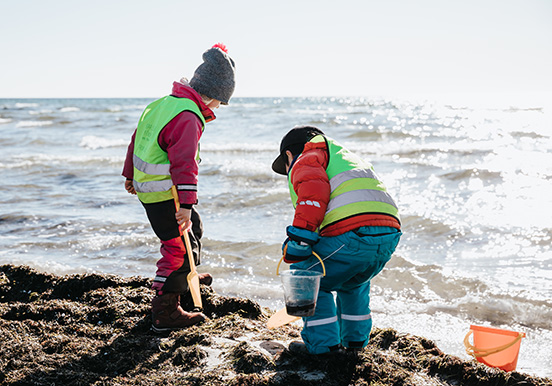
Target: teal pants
351	260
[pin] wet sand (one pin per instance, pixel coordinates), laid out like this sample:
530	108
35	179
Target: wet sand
95	330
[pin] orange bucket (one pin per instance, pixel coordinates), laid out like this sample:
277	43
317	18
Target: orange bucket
494	347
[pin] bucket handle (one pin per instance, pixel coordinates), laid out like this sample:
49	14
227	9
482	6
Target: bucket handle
314	253
483	352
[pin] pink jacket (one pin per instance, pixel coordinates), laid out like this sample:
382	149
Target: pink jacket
180	139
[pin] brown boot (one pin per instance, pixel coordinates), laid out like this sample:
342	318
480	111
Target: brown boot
167	314
205	278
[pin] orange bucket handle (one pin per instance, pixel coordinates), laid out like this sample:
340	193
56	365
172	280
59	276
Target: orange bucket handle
314	253
483	352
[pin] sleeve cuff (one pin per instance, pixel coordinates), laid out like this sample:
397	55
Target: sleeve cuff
298	223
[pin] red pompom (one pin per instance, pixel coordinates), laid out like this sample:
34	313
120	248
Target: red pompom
221	46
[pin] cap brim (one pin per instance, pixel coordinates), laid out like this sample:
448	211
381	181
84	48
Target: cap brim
279	165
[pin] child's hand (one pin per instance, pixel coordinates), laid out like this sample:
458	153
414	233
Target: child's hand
129	186
183	218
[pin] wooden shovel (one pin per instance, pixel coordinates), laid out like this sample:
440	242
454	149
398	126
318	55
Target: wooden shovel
280	318
193	277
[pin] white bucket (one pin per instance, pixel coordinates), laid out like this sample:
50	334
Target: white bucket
301	291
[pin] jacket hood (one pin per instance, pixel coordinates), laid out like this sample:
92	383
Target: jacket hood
183	90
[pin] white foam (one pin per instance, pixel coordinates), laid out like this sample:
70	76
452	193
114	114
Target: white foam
41	112
69	109
21	105
93	142
33	123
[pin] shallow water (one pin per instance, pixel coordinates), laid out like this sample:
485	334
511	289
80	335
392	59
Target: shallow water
473	185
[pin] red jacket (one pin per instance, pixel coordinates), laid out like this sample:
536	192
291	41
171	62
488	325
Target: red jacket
310	182
179	138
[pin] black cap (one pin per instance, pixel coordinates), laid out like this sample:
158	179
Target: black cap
297	136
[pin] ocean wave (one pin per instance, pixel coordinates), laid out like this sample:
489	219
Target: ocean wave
69	109
516	109
248	172
43	113
439	149
499	309
99	243
231	201
465	174
17	164
529	134
239	147
5	120
22	124
13	219
427	226
57	164
39	142
22	105
93	142
119	108
241	250
376	134
431	290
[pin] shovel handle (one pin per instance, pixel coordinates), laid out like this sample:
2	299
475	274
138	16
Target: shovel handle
189	251
315	255
175	197
193	280
185	233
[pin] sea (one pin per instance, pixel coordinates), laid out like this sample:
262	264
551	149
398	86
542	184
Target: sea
473	183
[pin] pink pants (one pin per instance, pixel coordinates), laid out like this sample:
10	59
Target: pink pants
173	267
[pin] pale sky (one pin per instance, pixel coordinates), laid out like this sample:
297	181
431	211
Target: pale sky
137	48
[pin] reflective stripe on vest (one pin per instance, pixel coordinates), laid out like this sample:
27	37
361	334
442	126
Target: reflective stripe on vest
153	186
152	179
354	186
147	168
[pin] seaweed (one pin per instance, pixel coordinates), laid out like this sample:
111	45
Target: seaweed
95	330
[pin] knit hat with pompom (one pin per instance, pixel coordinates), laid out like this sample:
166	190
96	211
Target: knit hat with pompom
214	78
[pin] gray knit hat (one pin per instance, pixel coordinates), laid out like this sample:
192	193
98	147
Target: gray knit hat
214	78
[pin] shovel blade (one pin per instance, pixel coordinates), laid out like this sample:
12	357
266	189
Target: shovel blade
193	284
280	318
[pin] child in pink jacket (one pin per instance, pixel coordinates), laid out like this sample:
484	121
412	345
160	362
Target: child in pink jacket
164	151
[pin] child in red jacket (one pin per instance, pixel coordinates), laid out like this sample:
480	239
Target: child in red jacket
164	151
344	214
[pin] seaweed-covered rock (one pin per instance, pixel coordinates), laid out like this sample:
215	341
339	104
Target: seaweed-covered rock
248	360
95	330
